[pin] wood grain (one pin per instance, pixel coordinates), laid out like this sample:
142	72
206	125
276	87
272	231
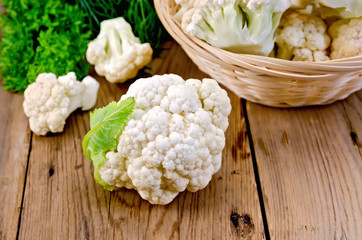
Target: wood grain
353	119
14	148
310	169
61	196
228	208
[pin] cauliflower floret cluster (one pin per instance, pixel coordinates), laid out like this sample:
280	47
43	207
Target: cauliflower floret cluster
346	38
302	37
50	100
116	52
173	140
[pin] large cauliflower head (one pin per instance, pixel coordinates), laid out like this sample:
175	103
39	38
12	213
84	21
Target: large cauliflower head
173	140
50	100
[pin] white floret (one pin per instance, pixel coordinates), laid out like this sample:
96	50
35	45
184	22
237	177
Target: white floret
302	38
116	53
173	140
50	100
346	38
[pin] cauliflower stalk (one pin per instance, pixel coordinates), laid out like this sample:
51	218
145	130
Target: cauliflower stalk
302	38
116	52
346	38
241	26
164	136
50	100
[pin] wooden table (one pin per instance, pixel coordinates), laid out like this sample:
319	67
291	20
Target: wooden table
286	174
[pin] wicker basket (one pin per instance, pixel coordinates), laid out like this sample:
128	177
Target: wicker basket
266	80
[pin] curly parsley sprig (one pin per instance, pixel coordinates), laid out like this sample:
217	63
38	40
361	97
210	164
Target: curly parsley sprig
41	36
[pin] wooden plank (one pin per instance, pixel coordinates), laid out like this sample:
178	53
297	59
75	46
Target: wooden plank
62	199
310	169
132	217
159	222
353	119
228	208
14	148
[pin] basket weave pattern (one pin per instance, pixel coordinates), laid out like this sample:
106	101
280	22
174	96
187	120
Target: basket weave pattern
266	80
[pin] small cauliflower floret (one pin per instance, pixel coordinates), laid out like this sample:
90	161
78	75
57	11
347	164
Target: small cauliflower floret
346	38
172	141
116	52
302	38
49	101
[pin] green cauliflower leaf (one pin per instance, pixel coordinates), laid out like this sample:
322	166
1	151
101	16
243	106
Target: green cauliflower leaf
106	124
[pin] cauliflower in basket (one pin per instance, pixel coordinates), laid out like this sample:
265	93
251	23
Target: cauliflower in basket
346	38
302	37
164	136
116	52
240	26
50	100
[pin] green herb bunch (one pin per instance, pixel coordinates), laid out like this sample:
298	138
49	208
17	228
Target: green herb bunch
41	36
141	14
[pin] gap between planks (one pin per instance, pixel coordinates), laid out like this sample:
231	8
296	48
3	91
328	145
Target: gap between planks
256	172
23	193
310	169
13	161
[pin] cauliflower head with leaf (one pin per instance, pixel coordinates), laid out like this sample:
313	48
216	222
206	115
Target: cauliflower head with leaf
164	136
